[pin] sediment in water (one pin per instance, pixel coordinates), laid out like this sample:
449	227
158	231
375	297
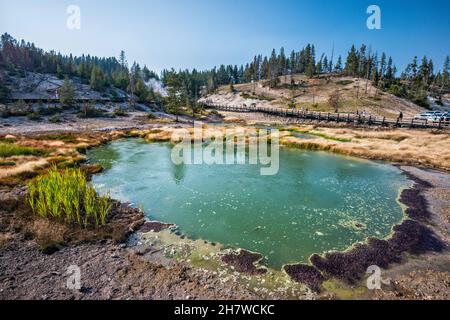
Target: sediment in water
411	236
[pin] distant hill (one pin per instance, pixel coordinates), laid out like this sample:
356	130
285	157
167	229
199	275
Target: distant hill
314	94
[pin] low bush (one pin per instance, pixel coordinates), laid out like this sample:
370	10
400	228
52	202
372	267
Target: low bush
151	116
120	113
34	116
68	138
246	95
54	118
91	113
344	82
421	99
7	163
7	140
81	149
398	90
68	196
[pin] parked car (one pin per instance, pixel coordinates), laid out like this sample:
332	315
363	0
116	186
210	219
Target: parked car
428	115
444	117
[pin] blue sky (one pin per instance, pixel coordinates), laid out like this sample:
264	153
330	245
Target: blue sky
202	33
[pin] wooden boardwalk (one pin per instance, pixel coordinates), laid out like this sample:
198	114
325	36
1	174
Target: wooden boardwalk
350	118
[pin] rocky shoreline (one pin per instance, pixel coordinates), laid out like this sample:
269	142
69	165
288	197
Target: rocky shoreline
411	236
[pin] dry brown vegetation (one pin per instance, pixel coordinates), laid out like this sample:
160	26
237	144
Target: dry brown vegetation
63	150
413	147
406	146
314	94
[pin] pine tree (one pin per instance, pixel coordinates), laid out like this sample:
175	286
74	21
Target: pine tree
292	63
59	72
310	69
414	68
338	66
325	65
273	69
382	65
319	66
430	79
97	80
146	74
282	63
4	90
123	60
67	93
389	76
424	71
352	63
445	73
175	97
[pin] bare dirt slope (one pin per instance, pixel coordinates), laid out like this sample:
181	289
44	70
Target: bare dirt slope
313	94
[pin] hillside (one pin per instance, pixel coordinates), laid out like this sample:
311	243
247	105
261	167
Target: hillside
314	94
37	86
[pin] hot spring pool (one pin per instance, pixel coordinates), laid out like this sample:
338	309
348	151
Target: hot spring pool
317	202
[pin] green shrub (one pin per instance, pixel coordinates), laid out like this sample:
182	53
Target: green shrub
398	90
344	82
34	116
69	138
7	140
68	196
91	113
54	118
81	149
9	150
118	112
18	109
421	99
246	95
48	110
7	163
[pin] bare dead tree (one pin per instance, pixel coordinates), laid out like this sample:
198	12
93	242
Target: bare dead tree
334	100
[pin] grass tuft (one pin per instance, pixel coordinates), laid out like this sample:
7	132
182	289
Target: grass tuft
67	195
10	150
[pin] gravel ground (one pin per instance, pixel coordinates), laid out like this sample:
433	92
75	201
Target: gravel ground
108	271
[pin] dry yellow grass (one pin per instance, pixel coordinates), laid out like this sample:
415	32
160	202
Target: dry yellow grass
405	146
414	147
26	166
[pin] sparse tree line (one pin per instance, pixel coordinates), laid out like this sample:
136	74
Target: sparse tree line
184	87
415	83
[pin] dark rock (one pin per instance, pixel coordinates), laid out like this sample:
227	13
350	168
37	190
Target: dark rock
154	226
306	274
244	262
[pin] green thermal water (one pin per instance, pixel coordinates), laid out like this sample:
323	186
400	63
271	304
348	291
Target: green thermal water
317	202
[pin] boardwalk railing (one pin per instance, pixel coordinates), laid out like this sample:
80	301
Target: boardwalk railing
353	118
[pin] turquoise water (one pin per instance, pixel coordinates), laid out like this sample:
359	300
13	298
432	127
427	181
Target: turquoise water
317	202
